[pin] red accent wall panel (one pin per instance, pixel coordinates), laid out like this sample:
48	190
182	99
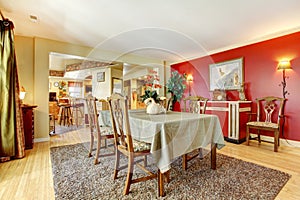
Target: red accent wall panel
260	75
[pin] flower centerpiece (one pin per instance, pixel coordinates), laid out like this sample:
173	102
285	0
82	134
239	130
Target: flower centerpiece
151	97
152	86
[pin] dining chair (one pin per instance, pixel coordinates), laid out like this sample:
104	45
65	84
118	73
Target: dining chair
125	144
269	117
193	104
102	135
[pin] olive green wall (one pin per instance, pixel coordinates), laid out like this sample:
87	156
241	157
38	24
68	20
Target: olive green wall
24	54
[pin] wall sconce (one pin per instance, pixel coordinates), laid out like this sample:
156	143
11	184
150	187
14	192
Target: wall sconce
189	79
283	65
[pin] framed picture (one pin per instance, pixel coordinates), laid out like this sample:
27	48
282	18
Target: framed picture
117	85
228	75
101	76
88	88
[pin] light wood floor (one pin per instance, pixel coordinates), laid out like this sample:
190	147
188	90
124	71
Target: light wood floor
30	178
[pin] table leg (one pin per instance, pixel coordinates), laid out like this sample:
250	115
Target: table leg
213	156
161	192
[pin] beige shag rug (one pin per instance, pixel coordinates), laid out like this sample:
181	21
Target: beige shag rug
76	177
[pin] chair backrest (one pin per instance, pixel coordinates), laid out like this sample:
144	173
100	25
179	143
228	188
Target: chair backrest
92	113
118	106
270	109
103	104
195	104
169	102
163	101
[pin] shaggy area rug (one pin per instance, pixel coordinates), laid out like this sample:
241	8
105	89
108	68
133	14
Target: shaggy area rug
76	177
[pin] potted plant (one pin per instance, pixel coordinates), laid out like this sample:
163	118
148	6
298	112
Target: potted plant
176	86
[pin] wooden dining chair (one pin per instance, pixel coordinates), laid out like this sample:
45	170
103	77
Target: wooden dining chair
269	117
125	144
102	135
193	104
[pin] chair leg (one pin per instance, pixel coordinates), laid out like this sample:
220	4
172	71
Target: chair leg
70	119
59	116
276	138
258	136
63	116
247	135
117	164
184	161
145	161
91	144
201	153
129	175
98	148
75	114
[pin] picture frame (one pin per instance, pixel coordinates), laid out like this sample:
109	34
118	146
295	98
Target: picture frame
228	75
117	85
100	76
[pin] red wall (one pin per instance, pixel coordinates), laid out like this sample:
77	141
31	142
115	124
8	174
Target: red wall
260	75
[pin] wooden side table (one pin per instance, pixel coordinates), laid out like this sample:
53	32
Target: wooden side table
28	123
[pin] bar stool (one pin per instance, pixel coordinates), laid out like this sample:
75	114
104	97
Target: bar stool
77	111
65	114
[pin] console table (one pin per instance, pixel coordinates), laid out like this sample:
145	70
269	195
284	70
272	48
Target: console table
28	123
233	118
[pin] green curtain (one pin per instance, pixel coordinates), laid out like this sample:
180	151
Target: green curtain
11	123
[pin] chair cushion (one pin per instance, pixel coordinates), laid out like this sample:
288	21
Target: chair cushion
106	131
263	124
140	146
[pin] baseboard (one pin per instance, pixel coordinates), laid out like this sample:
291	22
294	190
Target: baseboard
283	142
41	139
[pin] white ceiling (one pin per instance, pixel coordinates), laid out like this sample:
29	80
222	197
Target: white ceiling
171	30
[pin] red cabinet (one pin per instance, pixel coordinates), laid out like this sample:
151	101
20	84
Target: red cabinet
28	123
233	118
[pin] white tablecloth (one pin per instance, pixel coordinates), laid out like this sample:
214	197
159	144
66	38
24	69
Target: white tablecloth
175	133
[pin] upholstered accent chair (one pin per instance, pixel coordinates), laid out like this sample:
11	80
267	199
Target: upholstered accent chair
193	104
101	134
126	145
269	117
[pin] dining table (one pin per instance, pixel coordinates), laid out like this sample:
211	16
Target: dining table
173	134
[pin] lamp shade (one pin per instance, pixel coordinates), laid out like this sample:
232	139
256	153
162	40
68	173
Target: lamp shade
22	95
189	77
284	65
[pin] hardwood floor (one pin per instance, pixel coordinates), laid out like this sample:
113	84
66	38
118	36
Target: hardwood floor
30	178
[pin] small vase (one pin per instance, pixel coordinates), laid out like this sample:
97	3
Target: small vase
242	96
